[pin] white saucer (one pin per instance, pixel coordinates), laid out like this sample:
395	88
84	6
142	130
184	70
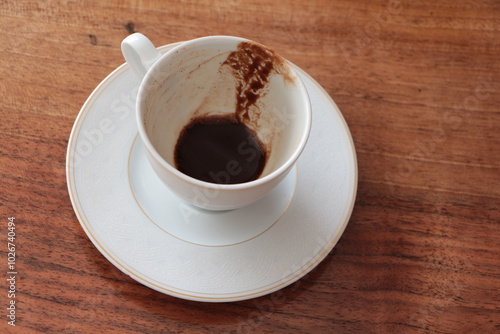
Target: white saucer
146	232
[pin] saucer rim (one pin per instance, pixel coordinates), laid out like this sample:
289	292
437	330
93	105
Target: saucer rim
226	297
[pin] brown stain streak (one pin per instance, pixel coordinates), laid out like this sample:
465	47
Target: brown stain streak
252	65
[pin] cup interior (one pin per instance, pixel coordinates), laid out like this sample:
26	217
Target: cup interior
195	80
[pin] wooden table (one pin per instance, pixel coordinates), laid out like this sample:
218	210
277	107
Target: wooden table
418	82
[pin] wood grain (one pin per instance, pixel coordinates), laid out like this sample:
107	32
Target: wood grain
419	85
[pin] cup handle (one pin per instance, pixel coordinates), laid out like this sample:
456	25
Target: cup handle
139	53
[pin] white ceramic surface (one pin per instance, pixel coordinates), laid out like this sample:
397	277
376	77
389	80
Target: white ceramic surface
198	226
296	227
191	81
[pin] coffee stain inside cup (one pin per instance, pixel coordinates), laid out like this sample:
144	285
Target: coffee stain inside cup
252	66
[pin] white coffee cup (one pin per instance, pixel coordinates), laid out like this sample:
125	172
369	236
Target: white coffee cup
195	79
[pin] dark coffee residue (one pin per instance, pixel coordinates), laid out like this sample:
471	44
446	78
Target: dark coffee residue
223	148
252	65
219	149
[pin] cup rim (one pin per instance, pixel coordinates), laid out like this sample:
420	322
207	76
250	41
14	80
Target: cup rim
149	79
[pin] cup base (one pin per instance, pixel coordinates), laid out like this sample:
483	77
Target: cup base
198	226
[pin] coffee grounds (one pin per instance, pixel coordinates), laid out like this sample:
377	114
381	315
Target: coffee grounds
222	148
219	149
